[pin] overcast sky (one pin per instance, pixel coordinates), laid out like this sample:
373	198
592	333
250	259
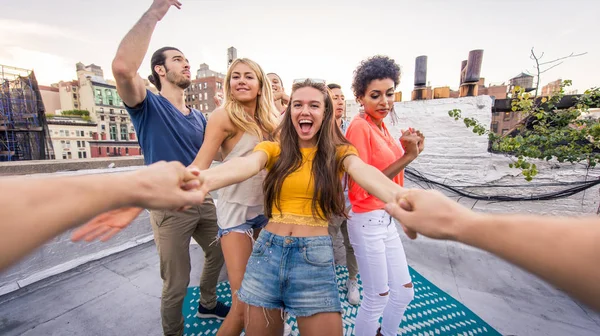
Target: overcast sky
322	39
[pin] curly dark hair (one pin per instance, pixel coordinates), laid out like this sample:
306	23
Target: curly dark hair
376	67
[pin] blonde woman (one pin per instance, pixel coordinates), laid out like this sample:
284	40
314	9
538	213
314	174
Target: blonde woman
280	97
247	117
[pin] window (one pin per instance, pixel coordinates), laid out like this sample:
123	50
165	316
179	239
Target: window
107	150
123	132
200	107
205	96
205	85
74	89
69	155
84	155
78	144
504	131
102	109
64	156
206	107
103	127
507	116
99	93
113	132
76	105
74	95
126	150
219	85
108	93
122	111
100	151
79	155
193	97
101	118
495	127
112	111
62	132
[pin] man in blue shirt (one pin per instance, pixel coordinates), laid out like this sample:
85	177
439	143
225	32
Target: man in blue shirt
169	130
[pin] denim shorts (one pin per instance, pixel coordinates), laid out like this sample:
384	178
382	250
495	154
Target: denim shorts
257	222
296	274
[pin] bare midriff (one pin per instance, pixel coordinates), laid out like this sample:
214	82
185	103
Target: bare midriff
295	230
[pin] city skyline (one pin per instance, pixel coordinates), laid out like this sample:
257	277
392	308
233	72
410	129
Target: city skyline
313	39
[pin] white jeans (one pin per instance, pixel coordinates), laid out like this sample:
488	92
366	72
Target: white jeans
383	270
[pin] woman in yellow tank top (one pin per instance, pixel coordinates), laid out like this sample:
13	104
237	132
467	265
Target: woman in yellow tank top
291	268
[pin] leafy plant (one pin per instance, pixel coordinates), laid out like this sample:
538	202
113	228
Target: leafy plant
546	132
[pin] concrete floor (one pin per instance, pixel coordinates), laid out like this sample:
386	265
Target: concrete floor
119	295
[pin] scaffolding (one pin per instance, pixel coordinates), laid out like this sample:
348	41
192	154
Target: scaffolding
23	128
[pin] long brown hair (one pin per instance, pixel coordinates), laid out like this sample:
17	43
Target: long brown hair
326	167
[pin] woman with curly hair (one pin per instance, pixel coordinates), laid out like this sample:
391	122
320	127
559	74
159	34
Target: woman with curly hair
387	285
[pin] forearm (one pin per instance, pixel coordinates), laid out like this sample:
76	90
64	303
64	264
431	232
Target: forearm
561	250
202	163
46	207
374	182
231	172
134	46
397	166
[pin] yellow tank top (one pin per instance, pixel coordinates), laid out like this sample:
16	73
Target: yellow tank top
298	187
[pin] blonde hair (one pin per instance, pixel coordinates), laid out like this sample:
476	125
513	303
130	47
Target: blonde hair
265	116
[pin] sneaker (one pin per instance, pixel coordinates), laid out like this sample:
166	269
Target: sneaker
287	329
219	312
353	293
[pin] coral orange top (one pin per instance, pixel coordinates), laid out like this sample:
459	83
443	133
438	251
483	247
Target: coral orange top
375	147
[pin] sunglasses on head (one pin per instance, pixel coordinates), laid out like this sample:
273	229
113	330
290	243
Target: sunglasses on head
312	80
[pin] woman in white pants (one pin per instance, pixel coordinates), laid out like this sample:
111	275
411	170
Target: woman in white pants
387	286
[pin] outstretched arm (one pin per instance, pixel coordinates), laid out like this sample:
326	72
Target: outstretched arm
564	251
82	197
131	52
371	179
233	171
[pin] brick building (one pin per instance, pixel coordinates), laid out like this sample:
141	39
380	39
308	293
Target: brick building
200	93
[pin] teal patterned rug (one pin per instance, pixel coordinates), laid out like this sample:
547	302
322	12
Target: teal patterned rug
432	312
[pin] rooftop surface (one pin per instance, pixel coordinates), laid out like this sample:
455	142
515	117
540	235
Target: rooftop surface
120	294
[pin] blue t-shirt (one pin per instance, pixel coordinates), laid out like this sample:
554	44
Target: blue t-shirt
164	133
